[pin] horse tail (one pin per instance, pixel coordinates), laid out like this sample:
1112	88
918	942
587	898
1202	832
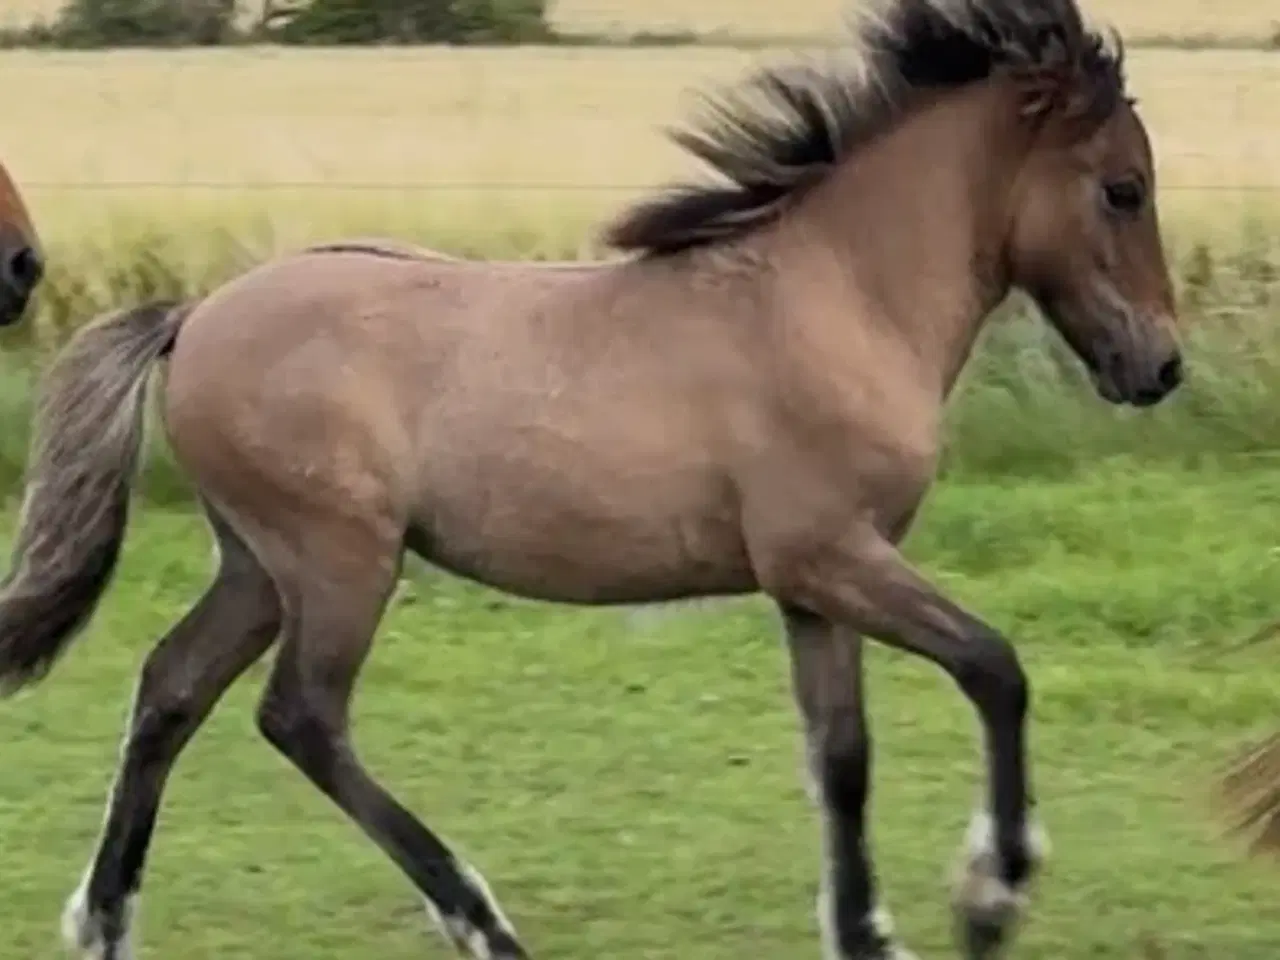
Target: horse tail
1249	795
86	445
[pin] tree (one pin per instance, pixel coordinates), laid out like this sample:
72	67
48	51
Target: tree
120	23
411	21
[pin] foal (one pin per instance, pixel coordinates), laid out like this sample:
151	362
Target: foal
749	401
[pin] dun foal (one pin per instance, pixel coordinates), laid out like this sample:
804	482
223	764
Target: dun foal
21	262
749	401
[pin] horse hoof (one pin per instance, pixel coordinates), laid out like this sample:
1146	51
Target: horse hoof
982	930
84	932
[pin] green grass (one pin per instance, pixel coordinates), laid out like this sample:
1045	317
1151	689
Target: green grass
628	781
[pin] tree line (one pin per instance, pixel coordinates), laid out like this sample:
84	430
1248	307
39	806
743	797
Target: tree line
152	23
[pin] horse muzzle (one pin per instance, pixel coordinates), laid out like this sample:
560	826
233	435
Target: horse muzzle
20	274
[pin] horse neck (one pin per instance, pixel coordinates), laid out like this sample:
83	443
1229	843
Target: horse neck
916	225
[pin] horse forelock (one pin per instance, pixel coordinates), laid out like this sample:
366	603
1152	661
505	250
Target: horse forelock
781	131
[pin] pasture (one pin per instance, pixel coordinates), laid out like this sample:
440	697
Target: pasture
629	781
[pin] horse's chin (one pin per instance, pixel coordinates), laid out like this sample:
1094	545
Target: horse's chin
1107	388
12	309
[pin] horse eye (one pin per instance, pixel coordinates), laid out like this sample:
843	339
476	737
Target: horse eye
1124	196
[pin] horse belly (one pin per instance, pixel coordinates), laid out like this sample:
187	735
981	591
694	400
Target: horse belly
585	536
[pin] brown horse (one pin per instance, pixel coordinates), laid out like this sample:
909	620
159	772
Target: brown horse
749	401
21	261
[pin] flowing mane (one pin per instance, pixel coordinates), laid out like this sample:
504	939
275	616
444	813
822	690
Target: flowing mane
787	126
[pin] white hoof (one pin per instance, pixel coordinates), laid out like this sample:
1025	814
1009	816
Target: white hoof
880	923
499	943
979	891
83	934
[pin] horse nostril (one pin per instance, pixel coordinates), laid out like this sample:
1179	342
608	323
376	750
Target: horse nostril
25	269
1170	374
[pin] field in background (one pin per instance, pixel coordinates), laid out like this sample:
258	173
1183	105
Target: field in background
483	135
631	787
1146	18
1175	19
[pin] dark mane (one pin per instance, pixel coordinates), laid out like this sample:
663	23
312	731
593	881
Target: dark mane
780	132
356	246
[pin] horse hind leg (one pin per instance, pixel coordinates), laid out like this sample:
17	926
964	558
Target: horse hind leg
335	590
229	628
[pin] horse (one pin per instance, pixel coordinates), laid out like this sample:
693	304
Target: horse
747	400
22	263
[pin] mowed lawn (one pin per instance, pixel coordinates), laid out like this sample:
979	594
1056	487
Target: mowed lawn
629	782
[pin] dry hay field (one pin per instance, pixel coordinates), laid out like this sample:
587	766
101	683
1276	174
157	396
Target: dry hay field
520	149
1149	18
1250	19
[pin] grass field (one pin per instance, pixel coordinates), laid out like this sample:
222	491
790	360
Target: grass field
629	782
1169	18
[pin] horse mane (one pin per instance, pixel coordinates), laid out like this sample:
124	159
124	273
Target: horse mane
383	248
786	127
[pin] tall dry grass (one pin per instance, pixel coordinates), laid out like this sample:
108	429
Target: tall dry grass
525	131
1173	19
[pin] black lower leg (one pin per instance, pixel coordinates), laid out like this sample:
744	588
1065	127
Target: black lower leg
308	725
181	681
1010	805
1002	865
827	675
1002	696
859	931
117	870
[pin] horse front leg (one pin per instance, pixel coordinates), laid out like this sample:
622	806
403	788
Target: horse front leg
862	583
826	669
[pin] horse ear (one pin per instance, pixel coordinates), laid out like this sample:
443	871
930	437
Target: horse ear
1065	92
1040	93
